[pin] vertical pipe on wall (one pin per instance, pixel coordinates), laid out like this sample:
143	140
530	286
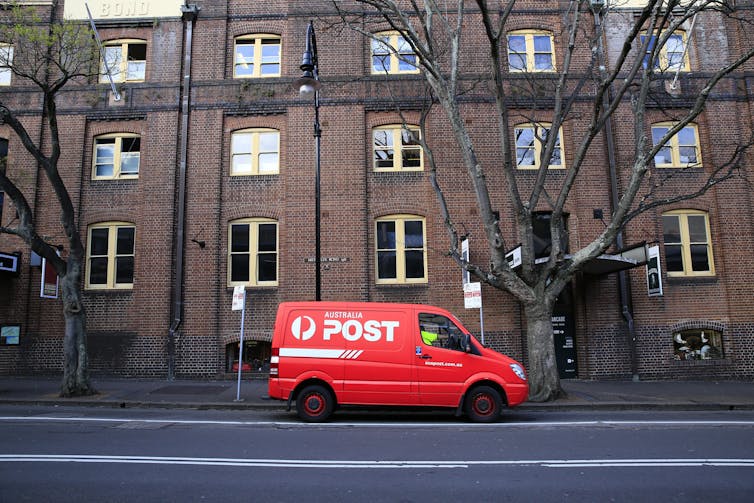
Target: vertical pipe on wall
190	13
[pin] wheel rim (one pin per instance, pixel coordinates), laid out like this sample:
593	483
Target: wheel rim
483	405
314	404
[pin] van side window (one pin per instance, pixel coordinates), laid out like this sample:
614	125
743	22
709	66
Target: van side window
438	331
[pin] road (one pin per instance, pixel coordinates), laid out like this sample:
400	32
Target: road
92	454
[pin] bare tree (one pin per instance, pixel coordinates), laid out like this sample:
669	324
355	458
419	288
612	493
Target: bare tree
435	31
48	56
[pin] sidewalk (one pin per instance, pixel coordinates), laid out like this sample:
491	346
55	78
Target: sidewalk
221	394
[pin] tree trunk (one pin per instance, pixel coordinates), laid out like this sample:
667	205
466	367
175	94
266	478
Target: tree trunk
544	381
75	364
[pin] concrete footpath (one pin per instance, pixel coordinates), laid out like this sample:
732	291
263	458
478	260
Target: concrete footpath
221	394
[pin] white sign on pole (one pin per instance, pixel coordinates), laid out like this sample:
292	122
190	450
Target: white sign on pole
654	272
239	298
472	295
465	257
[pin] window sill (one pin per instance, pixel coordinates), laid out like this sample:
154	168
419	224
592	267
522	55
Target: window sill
691	280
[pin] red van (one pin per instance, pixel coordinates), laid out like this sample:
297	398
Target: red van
326	354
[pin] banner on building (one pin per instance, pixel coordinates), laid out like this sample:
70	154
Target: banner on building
122	9
50	280
654	272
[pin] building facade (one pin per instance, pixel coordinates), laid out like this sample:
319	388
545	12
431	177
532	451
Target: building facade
200	178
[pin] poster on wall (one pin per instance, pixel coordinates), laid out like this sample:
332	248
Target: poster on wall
10	335
654	273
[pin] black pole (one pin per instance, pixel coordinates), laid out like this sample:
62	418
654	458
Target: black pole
310	79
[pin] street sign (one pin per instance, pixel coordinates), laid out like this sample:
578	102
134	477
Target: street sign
239	298
472	295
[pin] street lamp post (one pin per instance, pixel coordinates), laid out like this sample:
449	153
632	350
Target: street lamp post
309	86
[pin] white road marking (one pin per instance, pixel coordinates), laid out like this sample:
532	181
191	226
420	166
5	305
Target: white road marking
385	464
403	425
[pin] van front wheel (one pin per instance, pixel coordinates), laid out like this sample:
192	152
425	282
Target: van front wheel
483	404
314	403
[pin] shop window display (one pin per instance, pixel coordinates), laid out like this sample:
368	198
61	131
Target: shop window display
698	344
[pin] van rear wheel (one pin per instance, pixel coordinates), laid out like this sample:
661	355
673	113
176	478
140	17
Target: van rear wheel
483	404
315	403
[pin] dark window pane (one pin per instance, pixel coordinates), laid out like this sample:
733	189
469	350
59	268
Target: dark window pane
671	229
124	270
267	267
125	242
386	235
697	229
98	271
386	265
268	237
137	52
239	268
239	238
414	234
98	245
414	264
411	158
673	259
699	258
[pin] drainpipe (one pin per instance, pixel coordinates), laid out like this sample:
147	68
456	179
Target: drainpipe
623	285
190	13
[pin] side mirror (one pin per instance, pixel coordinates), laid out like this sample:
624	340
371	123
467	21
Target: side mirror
466	341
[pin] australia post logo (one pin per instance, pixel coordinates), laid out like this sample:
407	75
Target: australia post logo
351	326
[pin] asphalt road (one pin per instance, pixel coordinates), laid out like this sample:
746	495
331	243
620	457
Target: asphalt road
89	454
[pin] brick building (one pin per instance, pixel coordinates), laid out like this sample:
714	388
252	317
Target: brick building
202	173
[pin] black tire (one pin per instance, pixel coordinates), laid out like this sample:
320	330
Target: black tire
315	404
484	404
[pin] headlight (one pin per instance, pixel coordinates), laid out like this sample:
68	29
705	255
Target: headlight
519	371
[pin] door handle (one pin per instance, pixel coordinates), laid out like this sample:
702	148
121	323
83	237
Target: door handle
426	357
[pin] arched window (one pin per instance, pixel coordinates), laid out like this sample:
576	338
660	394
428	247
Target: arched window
116	156
397	148
392	54
401	249
530	140
126	60
255	152
680	151
688	248
671	57
253	252
531	51
110	256
256	56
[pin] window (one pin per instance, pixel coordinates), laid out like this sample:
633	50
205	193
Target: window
681	151
257	56
440	332
253	252
541	231
531	51
687	243
117	156
392	54
672	57
397	148
110	256
126	60
698	344
255	152
530	139
401	250
6	60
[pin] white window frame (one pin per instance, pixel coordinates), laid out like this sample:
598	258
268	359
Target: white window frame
675	146
395	50
530	51
686	244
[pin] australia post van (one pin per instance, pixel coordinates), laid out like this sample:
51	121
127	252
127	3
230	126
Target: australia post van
326	354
